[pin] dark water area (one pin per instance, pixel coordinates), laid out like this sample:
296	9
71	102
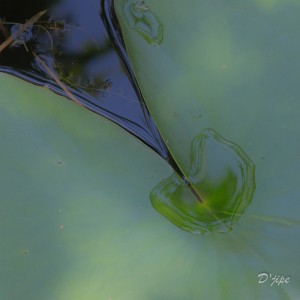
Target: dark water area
79	44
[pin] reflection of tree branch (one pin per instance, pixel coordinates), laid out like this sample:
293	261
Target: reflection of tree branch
3	30
38	25
53	75
29	23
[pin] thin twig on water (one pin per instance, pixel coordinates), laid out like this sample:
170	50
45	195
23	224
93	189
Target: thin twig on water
29	23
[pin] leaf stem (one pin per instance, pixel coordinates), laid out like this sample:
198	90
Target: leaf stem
177	169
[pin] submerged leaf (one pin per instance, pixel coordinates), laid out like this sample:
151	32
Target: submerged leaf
224	177
144	21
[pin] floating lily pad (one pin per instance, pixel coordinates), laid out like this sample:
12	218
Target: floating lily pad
232	67
76	219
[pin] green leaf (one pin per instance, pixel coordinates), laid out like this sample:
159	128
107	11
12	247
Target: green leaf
76	219
231	67
75	210
77	223
177	118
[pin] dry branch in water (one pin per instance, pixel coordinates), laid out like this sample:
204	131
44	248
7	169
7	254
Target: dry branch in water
56	79
10	39
29	23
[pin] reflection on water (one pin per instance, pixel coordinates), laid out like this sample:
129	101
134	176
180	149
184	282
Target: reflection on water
70	42
140	18
223	176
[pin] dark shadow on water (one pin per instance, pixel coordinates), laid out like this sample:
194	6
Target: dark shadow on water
72	41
